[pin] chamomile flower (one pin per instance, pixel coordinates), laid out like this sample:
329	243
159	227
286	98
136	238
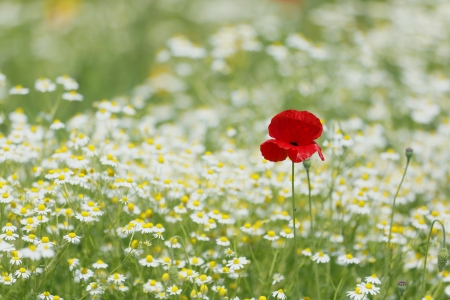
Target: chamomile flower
223	241
373	279
84	273
271	236
279	294
320	258
99	264
368	288
348	259
45	296
149	261
22	273
116	278
72	238
72	96
173	290
44	85
237	263
19	90
357	294
57	124
277	278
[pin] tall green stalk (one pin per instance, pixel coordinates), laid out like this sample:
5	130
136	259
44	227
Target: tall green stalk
426	254
293	213
307	165
387	275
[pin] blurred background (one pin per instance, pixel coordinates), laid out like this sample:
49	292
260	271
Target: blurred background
109	47
378	60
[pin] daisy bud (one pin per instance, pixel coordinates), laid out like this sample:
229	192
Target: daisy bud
409	153
173	274
307	164
401	285
442	258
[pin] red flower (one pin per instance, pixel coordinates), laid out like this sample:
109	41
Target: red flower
293	135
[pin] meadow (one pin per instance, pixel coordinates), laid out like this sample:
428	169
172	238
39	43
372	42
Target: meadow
167	149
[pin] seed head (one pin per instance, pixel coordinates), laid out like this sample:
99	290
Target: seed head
401	285
409	153
307	164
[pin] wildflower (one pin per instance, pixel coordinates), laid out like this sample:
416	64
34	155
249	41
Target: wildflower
73	263
72	238
306	252
348	259
22	273
9	227
116	278
174	290
99	264
44	85
223	241
45	296
228	252
368	288
196	261
279	294
320	257
67	82
19	90
94	288
84	273
293	134
271	236
357	294
237	263
9	236
72	96
202	279
373	279
277	278
287	233
7	279
149	261
57	124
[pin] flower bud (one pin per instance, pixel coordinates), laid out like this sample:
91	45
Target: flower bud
307	163
409	153
173	274
401	285
442	258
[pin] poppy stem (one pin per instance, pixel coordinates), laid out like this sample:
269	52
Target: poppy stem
293	214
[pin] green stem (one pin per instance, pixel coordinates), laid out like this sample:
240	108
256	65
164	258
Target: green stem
388	260
313	234
426	254
293	214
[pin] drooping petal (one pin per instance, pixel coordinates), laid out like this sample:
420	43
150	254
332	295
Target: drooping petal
272	152
295	127
300	153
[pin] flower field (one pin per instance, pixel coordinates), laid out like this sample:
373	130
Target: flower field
224	150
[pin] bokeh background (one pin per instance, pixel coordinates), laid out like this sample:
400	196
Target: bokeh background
380	60
109	47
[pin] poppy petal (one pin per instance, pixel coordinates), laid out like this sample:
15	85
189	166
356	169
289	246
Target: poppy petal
300	153
272	152
295	127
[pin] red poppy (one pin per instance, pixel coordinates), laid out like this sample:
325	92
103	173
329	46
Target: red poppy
293	134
